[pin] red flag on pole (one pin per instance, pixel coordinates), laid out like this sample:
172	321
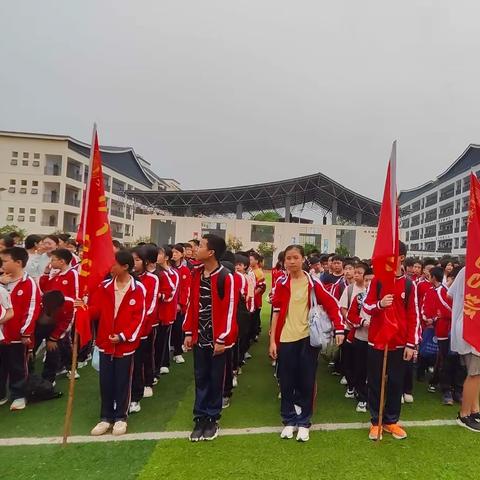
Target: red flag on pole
471	309
385	252
97	254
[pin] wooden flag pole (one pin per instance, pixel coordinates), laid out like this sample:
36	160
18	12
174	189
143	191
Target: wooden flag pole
67	426
382	392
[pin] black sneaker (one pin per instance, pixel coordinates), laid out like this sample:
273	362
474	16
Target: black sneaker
469	423
197	432
210	432
475	416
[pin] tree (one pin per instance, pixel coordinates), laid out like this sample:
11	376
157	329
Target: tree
342	250
267	217
266	249
144	239
309	248
6	229
234	244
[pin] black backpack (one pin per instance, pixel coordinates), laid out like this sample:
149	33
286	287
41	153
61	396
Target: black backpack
408	290
38	389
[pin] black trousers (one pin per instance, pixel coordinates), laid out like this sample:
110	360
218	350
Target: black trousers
245	321
394	385
228	384
162	347
52	358
209	371
348	361
451	373
297	368
138	381
176	338
65	349
115	387
149	359
13	370
256	325
360	354
408	378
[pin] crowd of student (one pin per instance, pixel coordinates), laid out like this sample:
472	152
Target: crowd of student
157	303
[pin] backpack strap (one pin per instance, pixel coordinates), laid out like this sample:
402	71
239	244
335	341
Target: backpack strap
222	275
408	290
350	294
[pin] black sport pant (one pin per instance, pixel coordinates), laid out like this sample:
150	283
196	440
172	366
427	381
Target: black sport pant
52	358
115	387
138	381
228	383
297	369
394	385
360	354
176	339
162	347
451	372
149	358
13	370
209	373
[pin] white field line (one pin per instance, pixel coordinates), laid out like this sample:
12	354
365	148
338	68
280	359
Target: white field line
22	441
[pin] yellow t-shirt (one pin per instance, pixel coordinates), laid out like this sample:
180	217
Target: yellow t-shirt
296	323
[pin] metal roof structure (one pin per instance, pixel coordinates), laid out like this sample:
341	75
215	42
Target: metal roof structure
317	189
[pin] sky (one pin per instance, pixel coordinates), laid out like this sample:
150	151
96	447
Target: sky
233	92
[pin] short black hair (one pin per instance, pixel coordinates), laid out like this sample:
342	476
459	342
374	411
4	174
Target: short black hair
195	241
429	261
402	249
64	237
117	244
368	271
179	248
314	260
229	257
72	242
363	265
242	259
418	261
167	250
337	258
31	240
150	253
186	245
295	247
17	254
409	262
8	241
124	257
52	237
437	273
15	234
63	254
217	244
349	261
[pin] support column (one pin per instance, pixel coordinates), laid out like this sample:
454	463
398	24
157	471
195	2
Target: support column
334	212
358	220
287	209
188	212
239	211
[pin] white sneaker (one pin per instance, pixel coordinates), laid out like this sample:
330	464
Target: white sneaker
147	392
3	401
61	372
155	381
101	428
350	394
164	371
239	371
77	375
298	409
54	384
274	363
279	395
408	397
287	432
184	348
18	404
303	434
134	407
235	382
82	364
248	356
361	407
178	359
343	381
120	428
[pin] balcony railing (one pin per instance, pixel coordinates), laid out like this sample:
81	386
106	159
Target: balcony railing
116	234
70	227
48	223
74	202
52	197
52	170
75	175
117	213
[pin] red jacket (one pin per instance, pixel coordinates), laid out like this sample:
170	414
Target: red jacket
167	296
25	299
260	286
150	282
281	302
406	314
185	277
223	309
127	323
438	307
67	283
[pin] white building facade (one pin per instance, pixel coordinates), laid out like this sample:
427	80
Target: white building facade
434	215
42	178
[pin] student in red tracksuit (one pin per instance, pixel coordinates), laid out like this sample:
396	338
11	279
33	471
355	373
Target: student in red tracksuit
401	347
260	287
180	265
17	324
438	310
167	310
290	341
142	381
208	330
58	276
118	305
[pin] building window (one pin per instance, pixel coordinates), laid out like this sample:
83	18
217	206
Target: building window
24	183
35	183
262	233
13	161
25	163
36	156
9	218
21	218
456	243
346	238
11	190
35	163
23	190
33	211
32	219
34	191
11	209
25	155
21	210
13	181
15	154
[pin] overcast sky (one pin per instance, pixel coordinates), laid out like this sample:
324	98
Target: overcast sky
231	92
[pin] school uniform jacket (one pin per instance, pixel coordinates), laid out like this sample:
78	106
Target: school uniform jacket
25	298
223	309
407	315
261	286
185	278
438	307
167	296
127	323
281	302
67	283
151	282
